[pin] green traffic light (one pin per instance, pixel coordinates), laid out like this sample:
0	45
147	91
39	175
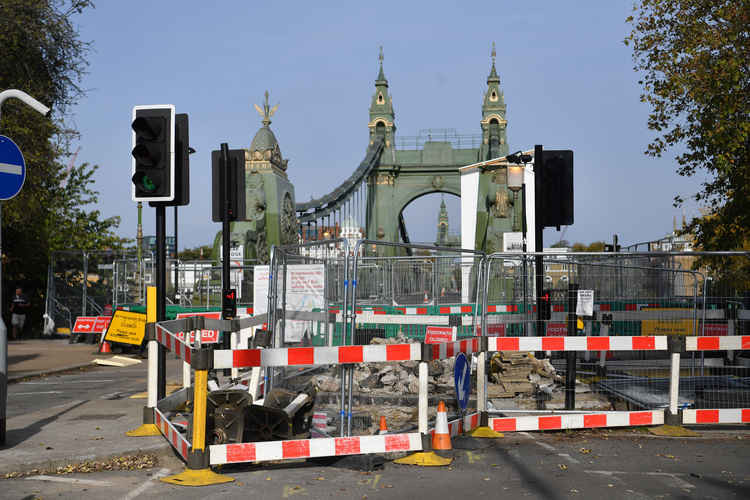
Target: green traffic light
147	184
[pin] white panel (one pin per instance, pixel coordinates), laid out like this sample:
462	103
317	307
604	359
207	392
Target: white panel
572	421
223	358
372	444
730	416
326	355
274	357
730	342
324	447
660	343
575	343
268	451
691	343
415	441
618	419
530	344
620	343
416	352
527	423
658	417
217	454
374	353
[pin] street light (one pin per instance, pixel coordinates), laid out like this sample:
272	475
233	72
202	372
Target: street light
515	183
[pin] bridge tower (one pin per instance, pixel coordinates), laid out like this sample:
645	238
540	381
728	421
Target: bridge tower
494	139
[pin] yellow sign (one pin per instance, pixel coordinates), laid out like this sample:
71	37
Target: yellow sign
682	326
127	327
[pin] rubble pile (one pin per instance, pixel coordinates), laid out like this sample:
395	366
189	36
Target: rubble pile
514	373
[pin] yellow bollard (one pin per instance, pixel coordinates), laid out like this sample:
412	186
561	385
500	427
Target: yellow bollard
149	428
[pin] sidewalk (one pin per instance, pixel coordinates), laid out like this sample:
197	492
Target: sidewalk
40	356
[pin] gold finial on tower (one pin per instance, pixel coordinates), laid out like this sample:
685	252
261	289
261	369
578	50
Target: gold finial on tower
267	112
494	53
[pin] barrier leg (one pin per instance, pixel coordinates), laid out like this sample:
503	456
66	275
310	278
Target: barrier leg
426	458
483	430
198	471
185	375
672	416
149	428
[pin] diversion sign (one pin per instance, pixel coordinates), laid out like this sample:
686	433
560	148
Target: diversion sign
127	328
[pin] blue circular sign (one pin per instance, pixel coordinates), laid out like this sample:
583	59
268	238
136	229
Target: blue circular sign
462	379
12	169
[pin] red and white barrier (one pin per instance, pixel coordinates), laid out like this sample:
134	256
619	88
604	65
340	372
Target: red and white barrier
461	425
618	343
445	350
301	356
718	416
577	421
173	343
312	448
173	435
736	342
502	308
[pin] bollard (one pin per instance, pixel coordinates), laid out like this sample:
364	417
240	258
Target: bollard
198	471
426	458
149	428
675	345
483	430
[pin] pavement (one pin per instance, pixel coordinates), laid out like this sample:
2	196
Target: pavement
62	409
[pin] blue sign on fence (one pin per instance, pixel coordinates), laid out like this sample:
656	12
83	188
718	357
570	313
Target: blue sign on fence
12	169
462	379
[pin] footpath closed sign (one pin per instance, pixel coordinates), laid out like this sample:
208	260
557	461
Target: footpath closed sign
127	328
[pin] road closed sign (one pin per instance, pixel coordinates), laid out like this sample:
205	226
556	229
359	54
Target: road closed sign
127	328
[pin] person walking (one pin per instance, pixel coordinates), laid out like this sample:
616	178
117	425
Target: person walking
18	308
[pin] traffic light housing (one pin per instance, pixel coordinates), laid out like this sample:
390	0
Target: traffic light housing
229	304
182	161
544	303
153	170
236	170
557	188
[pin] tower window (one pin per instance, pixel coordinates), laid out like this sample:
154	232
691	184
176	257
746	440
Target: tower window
380	129
380	99
493	96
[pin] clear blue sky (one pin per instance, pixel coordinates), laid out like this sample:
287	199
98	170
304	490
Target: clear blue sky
565	72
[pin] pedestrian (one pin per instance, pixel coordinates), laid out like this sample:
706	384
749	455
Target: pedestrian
18	308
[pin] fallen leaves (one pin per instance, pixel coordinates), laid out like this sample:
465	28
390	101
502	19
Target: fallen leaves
129	462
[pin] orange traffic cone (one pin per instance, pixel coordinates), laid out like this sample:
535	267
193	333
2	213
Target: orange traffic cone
383	425
105	348
441	439
426	299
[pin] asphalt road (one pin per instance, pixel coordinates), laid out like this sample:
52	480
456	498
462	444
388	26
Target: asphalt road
97	382
627	463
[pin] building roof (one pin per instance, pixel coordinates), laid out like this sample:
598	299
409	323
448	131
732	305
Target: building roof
263	140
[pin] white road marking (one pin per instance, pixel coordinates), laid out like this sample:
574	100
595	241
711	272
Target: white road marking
545	445
148	484
33	393
71	480
568	458
678	481
65	382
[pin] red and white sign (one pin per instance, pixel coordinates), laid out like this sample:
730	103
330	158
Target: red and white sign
84	324
438	334
557	329
207	336
101	323
493	330
715	330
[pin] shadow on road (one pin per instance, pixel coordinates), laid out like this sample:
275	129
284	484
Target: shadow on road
529	479
17	436
20	358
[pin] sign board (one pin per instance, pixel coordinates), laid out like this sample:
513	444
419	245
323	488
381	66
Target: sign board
585	304
236	269
12	169
101	323
127	328
557	329
512	242
207	336
493	329
462	380
305	291
437	334
667	326
84	324
716	329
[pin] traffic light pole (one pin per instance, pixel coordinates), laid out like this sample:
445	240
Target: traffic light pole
161	295
225	235
538	234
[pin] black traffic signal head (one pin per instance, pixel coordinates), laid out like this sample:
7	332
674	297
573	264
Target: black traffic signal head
153	171
557	188
545	305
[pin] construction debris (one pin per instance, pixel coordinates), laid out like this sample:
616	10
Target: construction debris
118	361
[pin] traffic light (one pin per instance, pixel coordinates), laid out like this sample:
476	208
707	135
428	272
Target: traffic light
236	170
545	305
153	153
182	161
229	304
557	188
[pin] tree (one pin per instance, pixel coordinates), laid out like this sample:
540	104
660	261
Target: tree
596	246
43	56
202	252
694	56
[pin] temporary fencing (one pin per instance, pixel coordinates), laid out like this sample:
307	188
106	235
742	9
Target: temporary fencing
617	351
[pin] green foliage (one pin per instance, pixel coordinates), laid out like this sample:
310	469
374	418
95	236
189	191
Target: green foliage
43	56
202	252
693	55
597	246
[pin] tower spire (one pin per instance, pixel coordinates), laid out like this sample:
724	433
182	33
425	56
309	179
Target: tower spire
381	74
493	72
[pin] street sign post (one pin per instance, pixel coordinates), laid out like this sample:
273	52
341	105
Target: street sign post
12	169
462	380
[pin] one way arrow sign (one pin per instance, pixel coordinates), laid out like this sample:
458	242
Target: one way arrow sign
12	169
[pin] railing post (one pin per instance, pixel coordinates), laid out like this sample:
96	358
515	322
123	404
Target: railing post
675	345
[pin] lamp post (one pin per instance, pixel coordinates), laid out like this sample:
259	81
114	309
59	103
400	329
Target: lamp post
516	183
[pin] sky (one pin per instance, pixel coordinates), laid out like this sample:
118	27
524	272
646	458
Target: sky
565	72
